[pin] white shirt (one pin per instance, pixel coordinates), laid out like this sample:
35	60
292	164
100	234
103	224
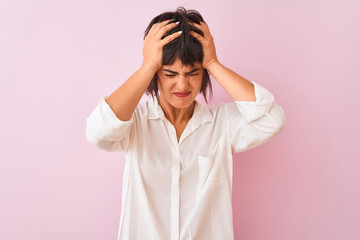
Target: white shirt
182	190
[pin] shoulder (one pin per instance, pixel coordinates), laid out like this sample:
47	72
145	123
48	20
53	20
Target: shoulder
222	108
142	107
146	109
220	113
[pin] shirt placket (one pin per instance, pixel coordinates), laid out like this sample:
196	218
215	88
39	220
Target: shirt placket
175	184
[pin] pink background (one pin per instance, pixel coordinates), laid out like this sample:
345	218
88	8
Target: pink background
57	58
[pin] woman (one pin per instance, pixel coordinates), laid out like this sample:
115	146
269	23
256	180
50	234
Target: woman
177	180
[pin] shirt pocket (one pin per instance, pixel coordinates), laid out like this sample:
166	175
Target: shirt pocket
210	173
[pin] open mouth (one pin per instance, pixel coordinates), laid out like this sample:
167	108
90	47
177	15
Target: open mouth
182	95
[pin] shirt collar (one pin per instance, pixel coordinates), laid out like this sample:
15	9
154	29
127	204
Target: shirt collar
200	116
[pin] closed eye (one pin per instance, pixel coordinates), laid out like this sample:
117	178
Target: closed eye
189	74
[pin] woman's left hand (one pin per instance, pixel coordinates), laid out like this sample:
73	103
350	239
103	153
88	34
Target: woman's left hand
207	43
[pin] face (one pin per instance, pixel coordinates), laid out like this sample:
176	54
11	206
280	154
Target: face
179	84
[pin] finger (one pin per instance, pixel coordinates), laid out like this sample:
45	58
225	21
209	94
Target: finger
163	23
162	31
156	26
204	28
169	38
196	35
194	24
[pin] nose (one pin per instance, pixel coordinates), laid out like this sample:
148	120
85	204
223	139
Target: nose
182	83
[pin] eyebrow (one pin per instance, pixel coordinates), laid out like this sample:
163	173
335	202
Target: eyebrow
173	72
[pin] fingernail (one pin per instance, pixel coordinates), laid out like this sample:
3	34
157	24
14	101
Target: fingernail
179	32
177	22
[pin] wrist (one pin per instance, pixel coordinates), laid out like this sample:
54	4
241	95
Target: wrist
211	66
148	67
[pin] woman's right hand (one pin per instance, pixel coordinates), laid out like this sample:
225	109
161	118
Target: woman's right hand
153	44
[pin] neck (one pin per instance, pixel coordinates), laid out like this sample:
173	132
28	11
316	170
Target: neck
175	115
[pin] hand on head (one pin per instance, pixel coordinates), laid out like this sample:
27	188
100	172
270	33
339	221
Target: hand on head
154	44
207	43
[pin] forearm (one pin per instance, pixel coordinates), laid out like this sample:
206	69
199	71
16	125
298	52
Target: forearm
125	99
238	87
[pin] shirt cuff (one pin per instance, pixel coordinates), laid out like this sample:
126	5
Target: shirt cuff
255	110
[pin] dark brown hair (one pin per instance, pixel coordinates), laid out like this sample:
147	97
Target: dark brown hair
187	48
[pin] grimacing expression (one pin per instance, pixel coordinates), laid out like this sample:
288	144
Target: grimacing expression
179	84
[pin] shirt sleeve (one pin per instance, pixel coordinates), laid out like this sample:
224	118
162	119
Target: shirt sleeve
105	130
255	123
